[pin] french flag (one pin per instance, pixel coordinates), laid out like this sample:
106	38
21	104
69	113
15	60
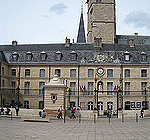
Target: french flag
82	88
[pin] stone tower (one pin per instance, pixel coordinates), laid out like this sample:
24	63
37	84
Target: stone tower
101	20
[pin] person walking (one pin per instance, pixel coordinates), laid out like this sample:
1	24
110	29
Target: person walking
17	110
142	112
2	110
43	114
60	113
72	113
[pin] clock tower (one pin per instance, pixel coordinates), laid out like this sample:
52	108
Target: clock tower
101	20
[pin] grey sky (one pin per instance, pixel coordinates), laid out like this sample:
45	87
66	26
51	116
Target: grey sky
49	21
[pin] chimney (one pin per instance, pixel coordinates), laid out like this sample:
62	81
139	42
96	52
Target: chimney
67	43
14	43
136	34
97	42
131	43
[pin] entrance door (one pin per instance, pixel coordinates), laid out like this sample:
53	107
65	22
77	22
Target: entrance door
100	107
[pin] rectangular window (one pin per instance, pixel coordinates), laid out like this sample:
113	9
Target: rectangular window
110	73
127	88
90	88
3	84
13	72
72	88
41	104
42	73
26	87
57	72
143	86
13	85
109	88
143	73
27	73
90	73
3	71
127	73
73	73
41	90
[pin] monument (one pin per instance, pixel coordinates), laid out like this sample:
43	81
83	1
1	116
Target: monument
54	97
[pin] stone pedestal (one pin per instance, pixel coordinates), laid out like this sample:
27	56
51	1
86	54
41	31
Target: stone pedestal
54	97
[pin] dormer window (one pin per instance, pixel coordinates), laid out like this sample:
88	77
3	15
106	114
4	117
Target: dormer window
29	56
58	56
43	56
143	57
15	56
73	56
127	56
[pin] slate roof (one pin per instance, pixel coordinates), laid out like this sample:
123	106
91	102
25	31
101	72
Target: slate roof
86	53
137	39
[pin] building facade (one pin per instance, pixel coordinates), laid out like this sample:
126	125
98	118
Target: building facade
111	72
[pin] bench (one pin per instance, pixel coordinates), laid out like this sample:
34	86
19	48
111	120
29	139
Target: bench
35	119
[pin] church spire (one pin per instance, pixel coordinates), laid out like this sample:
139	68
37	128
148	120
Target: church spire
81	31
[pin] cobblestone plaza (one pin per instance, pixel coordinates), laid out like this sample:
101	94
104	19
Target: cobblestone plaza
72	129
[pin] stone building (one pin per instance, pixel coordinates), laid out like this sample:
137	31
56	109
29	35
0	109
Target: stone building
110	72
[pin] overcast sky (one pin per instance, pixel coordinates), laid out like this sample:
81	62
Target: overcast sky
50	21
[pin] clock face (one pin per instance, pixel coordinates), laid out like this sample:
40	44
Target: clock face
100	71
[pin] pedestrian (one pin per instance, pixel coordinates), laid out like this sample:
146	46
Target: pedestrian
7	111
60	113
43	114
17	109
142	112
72	114
40	113
2	110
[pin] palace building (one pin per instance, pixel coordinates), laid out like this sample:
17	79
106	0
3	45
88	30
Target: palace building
110	72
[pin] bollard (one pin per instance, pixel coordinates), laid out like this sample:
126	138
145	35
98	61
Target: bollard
64	115
11	115
122	117
79	118
109	119
136	117
94	118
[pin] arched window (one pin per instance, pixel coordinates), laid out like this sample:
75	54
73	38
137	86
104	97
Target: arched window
29	56
127	105
26	104
43	56
109	105
90	105
15	56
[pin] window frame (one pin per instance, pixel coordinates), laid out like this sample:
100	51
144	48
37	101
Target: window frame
109	73
73	73
27	72
90	73
42	73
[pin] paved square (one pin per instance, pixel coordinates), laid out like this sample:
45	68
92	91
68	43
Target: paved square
73	130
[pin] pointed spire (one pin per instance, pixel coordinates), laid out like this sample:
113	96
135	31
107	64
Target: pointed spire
81	31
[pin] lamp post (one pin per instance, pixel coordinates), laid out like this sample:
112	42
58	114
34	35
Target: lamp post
18	90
